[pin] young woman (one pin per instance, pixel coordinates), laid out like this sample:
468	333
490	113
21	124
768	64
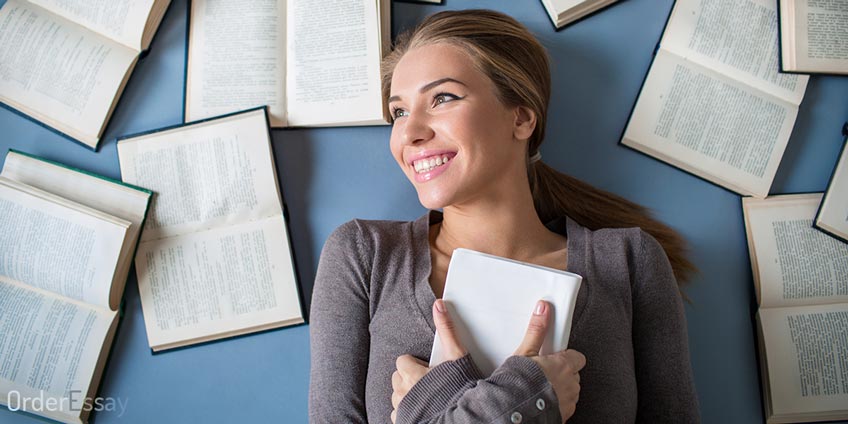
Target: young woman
469	93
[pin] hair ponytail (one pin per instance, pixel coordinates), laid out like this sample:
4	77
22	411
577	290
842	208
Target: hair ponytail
556	194
514	60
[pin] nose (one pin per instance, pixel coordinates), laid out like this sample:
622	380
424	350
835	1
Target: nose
417	128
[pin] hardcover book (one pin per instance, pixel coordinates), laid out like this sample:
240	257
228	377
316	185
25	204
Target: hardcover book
67	239
800	279
313	63
564	12
832	216
215	259
713	103
813	36
65	64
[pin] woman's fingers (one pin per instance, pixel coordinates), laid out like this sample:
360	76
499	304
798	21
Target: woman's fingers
536	330
575	360
451	347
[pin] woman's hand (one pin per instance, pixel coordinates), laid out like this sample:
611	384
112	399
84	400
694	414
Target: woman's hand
561	368
410	369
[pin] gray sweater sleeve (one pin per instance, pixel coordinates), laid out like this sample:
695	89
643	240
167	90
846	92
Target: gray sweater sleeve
666	390
453	393
339	331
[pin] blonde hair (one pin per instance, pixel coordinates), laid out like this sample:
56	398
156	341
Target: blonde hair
518	65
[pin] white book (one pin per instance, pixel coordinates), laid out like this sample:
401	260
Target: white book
491	299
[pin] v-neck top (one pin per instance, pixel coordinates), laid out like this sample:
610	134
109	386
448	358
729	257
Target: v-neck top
372	302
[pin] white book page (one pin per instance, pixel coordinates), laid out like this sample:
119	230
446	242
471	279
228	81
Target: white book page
333	75
120	20
49	344
59	72
213	174
491	311
62	248
794	264
215	283
807	351
737	38
707	124
236	58
89	190
821	35
833	216
564	6
86	189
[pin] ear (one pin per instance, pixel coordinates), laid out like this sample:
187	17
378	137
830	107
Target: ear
524	123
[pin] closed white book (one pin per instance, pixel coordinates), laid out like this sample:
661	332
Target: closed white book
491	299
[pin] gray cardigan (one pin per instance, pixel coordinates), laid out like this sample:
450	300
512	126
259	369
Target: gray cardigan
372	303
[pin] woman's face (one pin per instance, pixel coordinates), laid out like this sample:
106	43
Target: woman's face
452	137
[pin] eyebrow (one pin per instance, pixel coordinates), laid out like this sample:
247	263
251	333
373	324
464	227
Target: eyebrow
430	86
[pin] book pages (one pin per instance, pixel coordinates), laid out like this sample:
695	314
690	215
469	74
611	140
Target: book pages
718	34
120	20
59	72
236	58
214	260
710	125
793	263
806	351
57	246
814	36
215	175
333	63
55	347
217	282
112	198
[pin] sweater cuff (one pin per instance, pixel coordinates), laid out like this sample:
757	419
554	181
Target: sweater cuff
521	373
526	380
433	393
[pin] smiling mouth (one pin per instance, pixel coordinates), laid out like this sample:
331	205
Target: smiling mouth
428	164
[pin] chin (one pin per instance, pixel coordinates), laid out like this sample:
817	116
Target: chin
433	201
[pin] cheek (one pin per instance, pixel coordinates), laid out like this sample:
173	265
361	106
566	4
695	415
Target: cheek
396	148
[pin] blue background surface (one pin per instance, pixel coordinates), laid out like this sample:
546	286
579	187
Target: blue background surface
329	176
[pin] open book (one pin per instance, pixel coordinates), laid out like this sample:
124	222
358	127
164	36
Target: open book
65	63
66	245
564	12
215	259
832	216
814	36
490	300
314	63
713	103
801	281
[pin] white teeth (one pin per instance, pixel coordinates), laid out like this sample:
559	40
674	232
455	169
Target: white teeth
427	165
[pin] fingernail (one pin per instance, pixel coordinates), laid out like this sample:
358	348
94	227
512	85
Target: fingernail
540	307
440	306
